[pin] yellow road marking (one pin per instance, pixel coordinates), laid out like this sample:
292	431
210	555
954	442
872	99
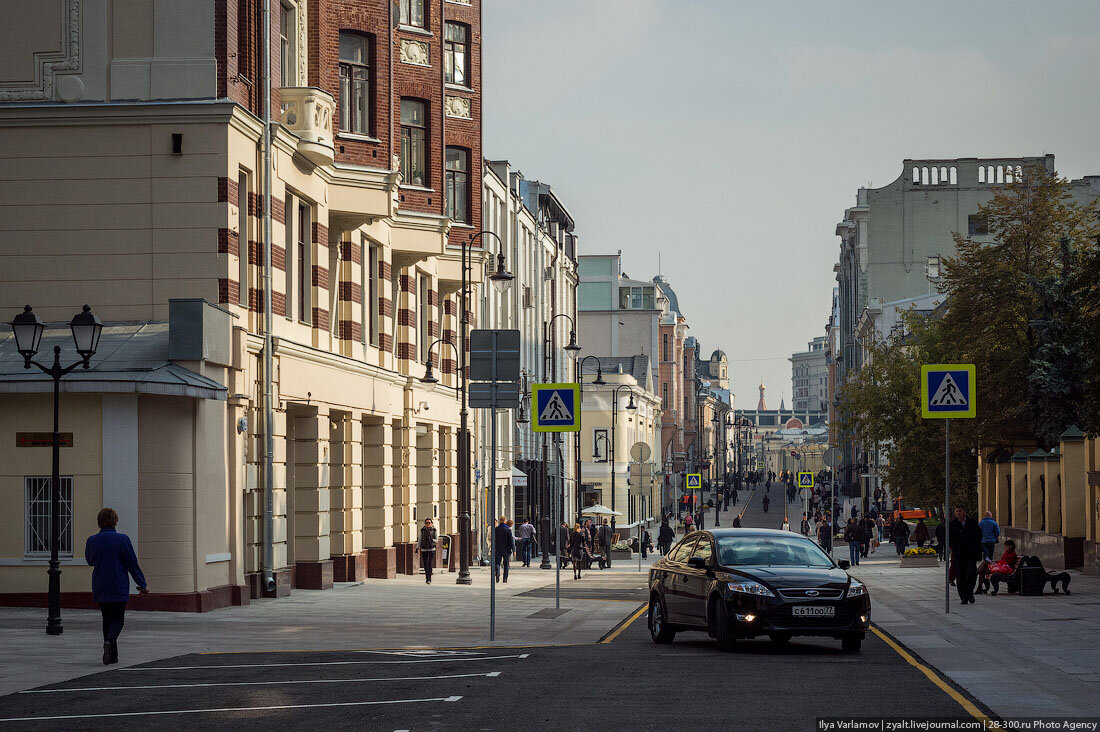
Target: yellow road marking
626	624
935	678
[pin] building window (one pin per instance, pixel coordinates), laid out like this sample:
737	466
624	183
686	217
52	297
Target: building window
287	32
977	225
664	395
456	54
412	13
424	313
636	298
355	95
38	495
414	151
305	271
243	196
370	295
458	185
664	346
288	255
599	446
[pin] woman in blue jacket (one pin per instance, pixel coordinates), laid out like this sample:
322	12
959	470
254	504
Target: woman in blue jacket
112	558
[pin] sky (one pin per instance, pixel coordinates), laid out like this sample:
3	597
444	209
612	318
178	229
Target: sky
727	138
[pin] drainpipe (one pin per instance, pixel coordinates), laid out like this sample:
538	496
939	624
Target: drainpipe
269	415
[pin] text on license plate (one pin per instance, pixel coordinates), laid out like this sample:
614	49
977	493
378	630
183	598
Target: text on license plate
813	611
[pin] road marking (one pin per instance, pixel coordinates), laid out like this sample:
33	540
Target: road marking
935	678
418	653
230	709
491	674
495	647
623	625
314	663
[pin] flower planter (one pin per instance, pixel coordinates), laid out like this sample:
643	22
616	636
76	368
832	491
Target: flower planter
618	554
928	560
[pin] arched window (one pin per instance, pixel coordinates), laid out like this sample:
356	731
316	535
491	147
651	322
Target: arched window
989	174
935	176
1008	174
1019	174
943	175
924	176
981	174
916	175
954	175
1000	174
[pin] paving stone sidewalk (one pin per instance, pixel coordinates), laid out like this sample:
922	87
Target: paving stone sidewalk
1020	656
397	613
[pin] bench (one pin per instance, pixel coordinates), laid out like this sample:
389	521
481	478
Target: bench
1030	578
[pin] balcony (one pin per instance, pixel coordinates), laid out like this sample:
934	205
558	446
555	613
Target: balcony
307	112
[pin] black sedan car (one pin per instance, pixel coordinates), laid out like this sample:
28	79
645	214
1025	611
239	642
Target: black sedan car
743	583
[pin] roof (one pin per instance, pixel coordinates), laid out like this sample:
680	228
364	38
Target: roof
132	358
636	366
666	289
718	355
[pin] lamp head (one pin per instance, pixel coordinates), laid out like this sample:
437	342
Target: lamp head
86	330
502	278
428	378
599	374
572	349
27	327
631	405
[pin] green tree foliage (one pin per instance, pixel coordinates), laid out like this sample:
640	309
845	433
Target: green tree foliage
1025	309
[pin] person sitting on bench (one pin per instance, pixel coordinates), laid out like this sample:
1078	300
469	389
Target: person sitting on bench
1005	567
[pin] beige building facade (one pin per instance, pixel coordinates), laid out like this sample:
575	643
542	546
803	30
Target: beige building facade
131	179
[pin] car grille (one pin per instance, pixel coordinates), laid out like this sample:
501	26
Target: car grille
820	593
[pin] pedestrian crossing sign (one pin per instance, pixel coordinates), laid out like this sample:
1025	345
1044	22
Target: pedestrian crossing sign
555	408
805	479
694	481
948	391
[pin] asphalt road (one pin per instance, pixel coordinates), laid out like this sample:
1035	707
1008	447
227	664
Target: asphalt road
626	683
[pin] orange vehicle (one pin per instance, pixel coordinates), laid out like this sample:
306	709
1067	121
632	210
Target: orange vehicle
911	514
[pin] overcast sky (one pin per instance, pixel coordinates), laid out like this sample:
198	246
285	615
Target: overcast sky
729	137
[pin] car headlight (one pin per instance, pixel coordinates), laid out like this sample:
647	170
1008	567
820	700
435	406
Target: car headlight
856	589
749	587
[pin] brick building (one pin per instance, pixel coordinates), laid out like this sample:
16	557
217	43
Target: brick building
136	132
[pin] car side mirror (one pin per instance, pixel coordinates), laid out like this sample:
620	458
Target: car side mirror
844	564
697	563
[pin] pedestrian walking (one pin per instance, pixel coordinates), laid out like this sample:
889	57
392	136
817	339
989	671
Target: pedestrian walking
940	540
900	535
665	535
563	542
825	535
578	550
428	537
853	534
111	556
991	532
647	543
920	533
867	533
688	521
526	536
804	528
506	546
966	550
605	541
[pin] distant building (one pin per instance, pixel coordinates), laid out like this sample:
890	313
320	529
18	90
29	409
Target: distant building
809	377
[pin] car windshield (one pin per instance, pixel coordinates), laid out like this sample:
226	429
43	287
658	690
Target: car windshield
773	551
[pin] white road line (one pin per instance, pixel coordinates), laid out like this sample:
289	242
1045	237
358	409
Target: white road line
316	663
230	709
423	653
491	674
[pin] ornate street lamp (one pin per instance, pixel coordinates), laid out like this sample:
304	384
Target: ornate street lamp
579	365
28	329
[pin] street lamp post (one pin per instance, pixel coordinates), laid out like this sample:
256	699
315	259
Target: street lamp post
611	453
501	279
28	329
577	435
550	372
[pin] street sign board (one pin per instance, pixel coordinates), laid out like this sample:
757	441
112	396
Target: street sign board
483	394
556	408
694	481
805	479
948	391
494	355
832	457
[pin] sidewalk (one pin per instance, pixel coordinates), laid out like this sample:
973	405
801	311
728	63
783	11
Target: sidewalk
1020	656
397	613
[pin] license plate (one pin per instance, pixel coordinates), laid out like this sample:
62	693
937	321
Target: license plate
813	611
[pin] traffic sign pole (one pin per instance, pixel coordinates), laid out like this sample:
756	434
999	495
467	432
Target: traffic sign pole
946	511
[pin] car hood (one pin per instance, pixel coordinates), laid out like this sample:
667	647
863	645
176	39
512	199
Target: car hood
794	576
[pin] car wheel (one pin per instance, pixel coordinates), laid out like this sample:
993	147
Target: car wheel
723	629
780	639
659	629
851	643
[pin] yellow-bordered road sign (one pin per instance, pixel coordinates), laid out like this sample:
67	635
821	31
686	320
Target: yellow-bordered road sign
948	391
805	479
555	408
694	481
